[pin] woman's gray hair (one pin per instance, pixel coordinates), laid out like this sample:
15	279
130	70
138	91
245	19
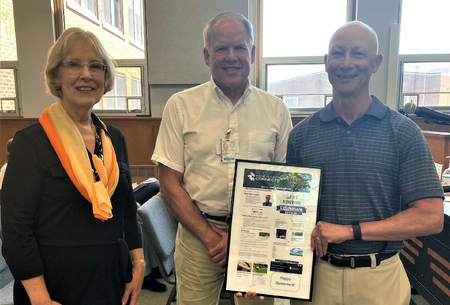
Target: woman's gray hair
70	38
233	15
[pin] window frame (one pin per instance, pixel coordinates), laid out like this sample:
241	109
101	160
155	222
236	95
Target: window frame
419	58
305	60
262	63
83	10
134	97
115	95
145	90
144	98
14	65
137	43
111	26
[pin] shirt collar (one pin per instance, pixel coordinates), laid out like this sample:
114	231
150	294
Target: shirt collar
376	109
98	124
219	95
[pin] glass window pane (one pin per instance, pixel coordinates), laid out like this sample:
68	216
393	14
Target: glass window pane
426	77
434	99
291	101
139	36
131	23
121	92
127	83
410	99
118	14
298	79
300	28
134	105
133	87
8	48
110	103
7	90
92	6
421	27
304	85
430	81
8	106
107	11
8	83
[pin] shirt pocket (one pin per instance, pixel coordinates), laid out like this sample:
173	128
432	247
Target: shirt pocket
261	146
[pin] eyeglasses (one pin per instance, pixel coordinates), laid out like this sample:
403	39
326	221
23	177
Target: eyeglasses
75	67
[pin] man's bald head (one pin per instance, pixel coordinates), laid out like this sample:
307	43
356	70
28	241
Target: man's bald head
352	59
356	29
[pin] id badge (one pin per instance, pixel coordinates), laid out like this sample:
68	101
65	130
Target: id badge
227	151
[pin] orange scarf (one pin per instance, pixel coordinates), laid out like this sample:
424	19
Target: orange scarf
69	146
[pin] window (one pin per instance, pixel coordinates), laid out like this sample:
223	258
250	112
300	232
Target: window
301	85
293	64
426	83
8	61
424	54
128	96
112	13
8	91
135	21
136	86
116	98
88	5
86	8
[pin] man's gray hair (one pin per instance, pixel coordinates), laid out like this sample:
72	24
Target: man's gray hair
233	15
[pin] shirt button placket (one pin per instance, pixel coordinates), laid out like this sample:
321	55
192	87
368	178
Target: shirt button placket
233	124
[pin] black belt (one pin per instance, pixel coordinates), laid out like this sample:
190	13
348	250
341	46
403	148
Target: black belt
226	219
355	261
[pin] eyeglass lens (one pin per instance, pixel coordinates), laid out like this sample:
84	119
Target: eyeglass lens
77	67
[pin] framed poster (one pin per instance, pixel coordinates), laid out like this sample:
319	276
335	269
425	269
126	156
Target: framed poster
274	210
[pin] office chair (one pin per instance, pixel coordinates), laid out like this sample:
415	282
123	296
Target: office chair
159	229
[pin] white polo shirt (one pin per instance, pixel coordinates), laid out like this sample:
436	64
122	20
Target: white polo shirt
196	119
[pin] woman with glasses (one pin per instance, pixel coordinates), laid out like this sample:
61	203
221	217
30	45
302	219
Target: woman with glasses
68	210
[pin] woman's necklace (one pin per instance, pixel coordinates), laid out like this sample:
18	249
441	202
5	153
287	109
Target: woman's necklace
98	141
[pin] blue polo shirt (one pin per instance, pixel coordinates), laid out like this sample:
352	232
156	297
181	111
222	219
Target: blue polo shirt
371	169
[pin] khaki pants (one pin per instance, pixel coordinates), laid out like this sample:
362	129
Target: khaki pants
198	280
385	284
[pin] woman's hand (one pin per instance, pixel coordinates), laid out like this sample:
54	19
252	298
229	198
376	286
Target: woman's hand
133	289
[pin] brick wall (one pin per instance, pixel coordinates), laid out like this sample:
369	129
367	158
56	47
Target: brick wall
8	52
8	49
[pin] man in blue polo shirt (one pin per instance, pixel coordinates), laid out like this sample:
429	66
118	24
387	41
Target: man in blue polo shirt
379	185
267	203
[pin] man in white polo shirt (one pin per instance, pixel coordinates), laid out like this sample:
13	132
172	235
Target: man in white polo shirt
195	171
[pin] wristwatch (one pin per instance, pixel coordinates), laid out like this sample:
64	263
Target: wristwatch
356	230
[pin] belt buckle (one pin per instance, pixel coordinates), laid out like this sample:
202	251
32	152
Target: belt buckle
336	256
228	219
352	262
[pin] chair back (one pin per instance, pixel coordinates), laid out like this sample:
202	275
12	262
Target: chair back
159	229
